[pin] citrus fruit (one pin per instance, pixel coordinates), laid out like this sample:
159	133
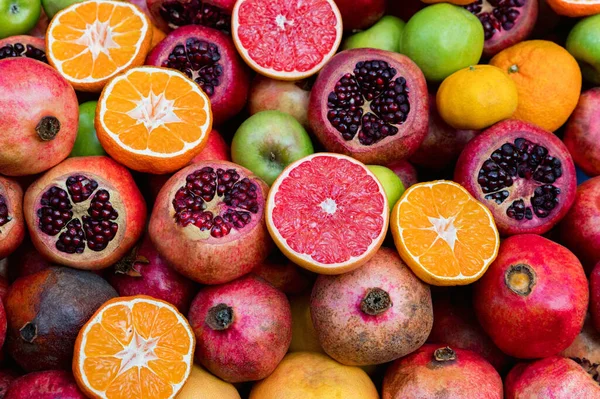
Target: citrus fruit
328	213
153	120
445	235
476	97
548	80
204	385
286	39
575	8
134	347
91	42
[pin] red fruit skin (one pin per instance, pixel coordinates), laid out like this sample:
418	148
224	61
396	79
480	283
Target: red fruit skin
545	321
4	284
13	232
482	146
419	375
37	42
595	297
26	260
29	91
404	9
550	378
155	279
260	335
132	211
3	324
283	274
582	135
231	94
39	30
406	172
528	15
360	14
7	376
50	384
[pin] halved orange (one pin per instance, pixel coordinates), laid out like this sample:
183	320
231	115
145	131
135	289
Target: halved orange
134	347
444	234
153	120
91	42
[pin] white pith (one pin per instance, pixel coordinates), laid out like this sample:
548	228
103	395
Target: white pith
445	229
329	206
98	38
154	111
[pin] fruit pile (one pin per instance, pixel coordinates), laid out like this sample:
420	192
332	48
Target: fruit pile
285	199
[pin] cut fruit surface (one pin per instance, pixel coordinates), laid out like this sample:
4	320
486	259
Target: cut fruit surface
91	42
286	39
328	213
134	347
445	235
153	120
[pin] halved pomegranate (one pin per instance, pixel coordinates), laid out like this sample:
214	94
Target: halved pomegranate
171	14
85	213
208	222
370	104
23	46
524	174
12	226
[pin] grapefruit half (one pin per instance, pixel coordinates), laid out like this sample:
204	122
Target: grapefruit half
286	39
327	213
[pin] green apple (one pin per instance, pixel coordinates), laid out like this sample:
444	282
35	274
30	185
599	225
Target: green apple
51	7
392	185
384	35
87	142
18	17
441	39
269	141
584	44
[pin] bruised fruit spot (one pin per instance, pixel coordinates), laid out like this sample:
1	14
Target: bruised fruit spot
195	12
520	279
496	15
20	50
4	216
28	332
47	128
375	302
219	317
444	354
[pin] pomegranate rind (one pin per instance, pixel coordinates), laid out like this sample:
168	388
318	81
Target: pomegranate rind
294	74
305	260
13	232
132	211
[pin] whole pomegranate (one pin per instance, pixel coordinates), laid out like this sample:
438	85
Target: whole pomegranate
86	213
356	313
50	384
208	222
208	57
582	135
283	274
243	329
39	120
522	173
171	14
442	372
12	225
405	171
553	377
145	272
370	104
45	312
23	46
523	302
360	14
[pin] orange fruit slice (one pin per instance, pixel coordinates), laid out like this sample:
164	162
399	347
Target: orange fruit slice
153	120
134	347
91	42
444	234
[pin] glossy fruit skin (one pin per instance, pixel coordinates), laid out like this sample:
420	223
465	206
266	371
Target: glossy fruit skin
87	142
268	94
406	172
525	324
203	385
585	50
553	377
18	23
391	182
12	232
386	34
48	384
419	375
283	274
595	296
582	134
360	14
45	312
33	94
132	210
355	338
391	149
51	7
256	340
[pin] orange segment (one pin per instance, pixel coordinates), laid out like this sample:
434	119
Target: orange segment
445	235
134	347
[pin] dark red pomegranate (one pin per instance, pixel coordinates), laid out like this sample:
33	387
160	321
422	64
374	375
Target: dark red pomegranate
582	134
7	376
171	14
45	312
435	371
522	173
145	272
370	104
208	57
87	213
553	377
26	260
4	284
595	297
23	46
404	9
505	22
51	384
208	222
360	14
12	225
533	299
406	172
283	274
243	329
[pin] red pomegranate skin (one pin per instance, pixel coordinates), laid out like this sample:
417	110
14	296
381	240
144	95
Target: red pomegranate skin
586	345
455	324
7	376
582	135
152	276
258	336
4	284
283	274
420	375
531	317
39	30
580	229
360	14
595	297
26	260
32	92
406	172
12	224
550	378
50	384
404	9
